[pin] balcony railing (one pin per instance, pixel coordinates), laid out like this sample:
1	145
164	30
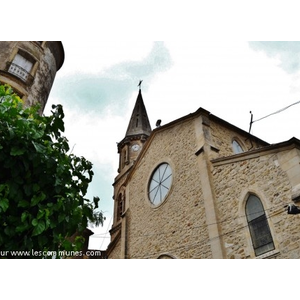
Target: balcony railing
20	73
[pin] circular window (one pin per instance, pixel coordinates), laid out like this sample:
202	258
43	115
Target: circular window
160	184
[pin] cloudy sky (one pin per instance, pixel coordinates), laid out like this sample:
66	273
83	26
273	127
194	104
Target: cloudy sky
97	86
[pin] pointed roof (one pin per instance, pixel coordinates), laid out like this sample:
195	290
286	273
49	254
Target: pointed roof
139	123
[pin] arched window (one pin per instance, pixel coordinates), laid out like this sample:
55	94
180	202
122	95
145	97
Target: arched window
124	158
166	256
258	225
237	148
121	205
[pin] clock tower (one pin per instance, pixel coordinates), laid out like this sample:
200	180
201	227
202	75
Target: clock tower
129	148
138	131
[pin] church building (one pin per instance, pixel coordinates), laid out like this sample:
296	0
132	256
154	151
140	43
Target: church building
200	187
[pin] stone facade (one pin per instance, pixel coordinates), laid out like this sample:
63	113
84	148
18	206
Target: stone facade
261	173
30	68
149	228
203	215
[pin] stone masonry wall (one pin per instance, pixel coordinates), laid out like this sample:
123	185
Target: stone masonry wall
116	253
178	226
263	177
222	138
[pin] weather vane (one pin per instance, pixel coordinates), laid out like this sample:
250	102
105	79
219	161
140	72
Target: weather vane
140	83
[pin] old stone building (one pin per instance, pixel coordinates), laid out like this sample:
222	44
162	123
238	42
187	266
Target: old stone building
30	68
200	187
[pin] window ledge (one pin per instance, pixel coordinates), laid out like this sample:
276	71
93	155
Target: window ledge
269	254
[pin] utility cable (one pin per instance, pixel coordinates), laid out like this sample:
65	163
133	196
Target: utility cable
180	228
274	113
107	231
199	242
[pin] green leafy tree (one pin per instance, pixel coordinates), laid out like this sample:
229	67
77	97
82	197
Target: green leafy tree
42	187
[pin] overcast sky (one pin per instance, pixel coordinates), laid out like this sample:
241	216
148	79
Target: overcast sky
97	86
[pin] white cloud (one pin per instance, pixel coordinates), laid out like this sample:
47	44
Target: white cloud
287	53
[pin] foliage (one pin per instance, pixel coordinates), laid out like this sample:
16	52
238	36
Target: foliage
42	187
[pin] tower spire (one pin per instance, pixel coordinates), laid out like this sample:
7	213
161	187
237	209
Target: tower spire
139	123
137	133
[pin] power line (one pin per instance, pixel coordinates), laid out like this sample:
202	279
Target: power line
278	111
273	211
107	231
180	228
274	113
197	243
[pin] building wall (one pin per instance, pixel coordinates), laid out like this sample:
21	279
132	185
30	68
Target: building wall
46	59
177	227
233	182
116	251
269	175
223	134
204	213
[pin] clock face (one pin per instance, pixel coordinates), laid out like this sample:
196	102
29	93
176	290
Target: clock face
160	184
135	147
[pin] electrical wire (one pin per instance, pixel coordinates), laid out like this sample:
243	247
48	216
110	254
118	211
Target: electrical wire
280	205
276	211
106	232
180	228
198	243
276	112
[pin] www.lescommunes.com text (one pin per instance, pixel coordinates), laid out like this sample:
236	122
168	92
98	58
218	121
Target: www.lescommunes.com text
35	253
